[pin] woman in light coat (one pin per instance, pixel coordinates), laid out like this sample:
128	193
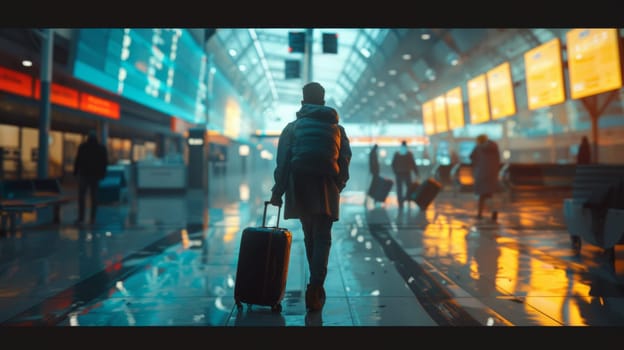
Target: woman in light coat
485	159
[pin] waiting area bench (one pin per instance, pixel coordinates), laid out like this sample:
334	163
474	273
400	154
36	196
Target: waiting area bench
461	178
587	224
29	195
113	188
532	179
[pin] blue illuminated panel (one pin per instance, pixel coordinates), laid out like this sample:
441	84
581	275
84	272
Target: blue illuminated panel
164	69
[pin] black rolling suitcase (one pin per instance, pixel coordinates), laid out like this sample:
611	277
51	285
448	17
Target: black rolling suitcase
380	188
426	192
262	266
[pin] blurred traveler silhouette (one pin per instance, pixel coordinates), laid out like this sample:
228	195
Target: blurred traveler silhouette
373	161
313	156
90	167
485	158
403	164
584	152
454	157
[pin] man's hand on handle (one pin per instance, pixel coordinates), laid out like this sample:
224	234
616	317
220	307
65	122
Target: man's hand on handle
276	201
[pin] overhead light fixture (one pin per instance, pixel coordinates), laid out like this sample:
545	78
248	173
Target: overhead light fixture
407	57
296	42
27	63
425	36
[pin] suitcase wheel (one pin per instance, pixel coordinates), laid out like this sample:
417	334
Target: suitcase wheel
276	308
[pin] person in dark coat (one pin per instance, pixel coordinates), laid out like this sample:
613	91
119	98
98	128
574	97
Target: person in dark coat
90	167
584	153
403	164
313	198
373	161
485	158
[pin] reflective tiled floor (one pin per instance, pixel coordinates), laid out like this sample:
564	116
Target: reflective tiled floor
170	260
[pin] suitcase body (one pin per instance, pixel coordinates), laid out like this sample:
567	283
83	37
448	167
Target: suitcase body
426	192
262	267
411	190
380	188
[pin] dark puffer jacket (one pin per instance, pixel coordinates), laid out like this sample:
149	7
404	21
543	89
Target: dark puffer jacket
307	192
316	143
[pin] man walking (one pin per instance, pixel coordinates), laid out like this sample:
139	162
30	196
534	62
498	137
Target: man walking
313	156
403	164
90	167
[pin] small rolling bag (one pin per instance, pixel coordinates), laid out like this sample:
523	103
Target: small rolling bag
380	188
262	266
426	192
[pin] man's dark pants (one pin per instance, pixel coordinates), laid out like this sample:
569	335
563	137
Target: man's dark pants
87	184
317	239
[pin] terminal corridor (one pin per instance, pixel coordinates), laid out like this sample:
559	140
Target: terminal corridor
170	260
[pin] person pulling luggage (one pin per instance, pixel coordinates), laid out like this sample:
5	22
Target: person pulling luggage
313	157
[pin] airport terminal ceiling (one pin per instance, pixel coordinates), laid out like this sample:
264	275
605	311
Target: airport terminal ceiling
376	75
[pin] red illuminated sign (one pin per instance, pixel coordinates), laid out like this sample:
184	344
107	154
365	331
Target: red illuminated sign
59	94
98	105
15	82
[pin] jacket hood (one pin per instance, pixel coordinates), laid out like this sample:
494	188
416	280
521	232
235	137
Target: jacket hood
318	112
489	147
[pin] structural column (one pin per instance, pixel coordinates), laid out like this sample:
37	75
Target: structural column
103	132
47	36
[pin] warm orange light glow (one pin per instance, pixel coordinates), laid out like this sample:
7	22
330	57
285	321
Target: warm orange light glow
231	127
185	239
544	280
507	270
180	126
464	175
387	140
428	117
439	111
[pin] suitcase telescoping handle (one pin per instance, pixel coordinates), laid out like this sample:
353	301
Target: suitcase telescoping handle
279	209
